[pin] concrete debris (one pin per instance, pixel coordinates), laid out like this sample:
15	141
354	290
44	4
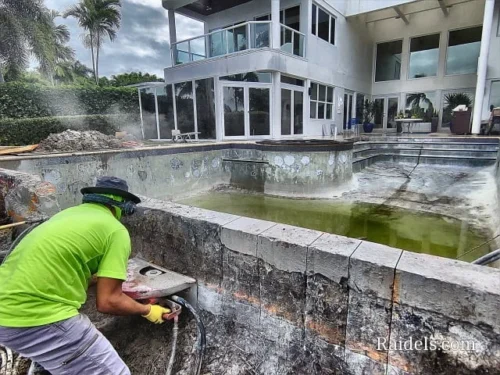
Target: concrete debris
72	140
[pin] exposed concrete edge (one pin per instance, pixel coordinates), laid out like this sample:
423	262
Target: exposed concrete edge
408	273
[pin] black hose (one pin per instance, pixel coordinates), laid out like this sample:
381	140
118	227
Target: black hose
18	239
201	339
488	258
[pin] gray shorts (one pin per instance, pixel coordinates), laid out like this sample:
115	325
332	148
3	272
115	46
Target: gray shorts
72	346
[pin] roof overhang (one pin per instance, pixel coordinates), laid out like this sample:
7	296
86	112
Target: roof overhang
404	11
202	7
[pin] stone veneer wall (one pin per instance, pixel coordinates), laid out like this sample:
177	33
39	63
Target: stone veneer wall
321	300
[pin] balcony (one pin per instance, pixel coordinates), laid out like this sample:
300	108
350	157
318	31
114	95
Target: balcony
234	39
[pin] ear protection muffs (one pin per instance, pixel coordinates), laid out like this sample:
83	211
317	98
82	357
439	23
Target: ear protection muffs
128	207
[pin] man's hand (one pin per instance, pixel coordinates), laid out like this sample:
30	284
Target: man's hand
156	314
111	299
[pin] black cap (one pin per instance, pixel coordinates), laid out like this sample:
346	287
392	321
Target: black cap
111	185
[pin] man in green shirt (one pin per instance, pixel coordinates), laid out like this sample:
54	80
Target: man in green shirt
44	283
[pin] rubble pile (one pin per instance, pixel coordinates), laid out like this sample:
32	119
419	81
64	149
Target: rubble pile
72	140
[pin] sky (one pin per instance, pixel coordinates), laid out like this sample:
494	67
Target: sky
142	43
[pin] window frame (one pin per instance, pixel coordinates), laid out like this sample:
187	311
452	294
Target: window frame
330	17
375	52
326	103
447	47
282	14
409	55
491	90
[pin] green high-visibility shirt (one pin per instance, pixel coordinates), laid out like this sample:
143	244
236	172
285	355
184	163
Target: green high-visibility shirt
45	278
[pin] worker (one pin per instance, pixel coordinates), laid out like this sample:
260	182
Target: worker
44	283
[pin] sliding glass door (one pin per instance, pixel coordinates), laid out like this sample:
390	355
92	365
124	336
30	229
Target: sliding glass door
246	110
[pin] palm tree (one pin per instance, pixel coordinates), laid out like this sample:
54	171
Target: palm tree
414	100
21	29
100	19
54	54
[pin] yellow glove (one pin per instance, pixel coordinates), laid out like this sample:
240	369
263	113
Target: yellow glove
156	314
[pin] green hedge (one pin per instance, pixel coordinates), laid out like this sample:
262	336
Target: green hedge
18	100
33	130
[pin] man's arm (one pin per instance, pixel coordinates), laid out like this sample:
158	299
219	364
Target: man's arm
111	299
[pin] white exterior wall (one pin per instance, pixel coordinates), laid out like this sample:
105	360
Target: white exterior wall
350	63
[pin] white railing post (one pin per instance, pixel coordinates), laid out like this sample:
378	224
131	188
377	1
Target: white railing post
275	24
482	66
172	34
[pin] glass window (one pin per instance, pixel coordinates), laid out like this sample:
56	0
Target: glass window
314	91
420	105
165	99
258	112
321	101
298	112
463	50
495	94
148	107
323	24
184	106
292	17
360	100
291	80
205	108
249	77
234	111
424	56
313	23
286	111
267	17
388	63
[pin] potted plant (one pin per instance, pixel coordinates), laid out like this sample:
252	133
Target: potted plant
434	121
368	116
460	120
399	125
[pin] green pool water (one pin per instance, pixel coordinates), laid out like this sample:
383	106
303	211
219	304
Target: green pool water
406	229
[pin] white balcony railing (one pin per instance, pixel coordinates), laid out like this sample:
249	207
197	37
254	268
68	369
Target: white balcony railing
292	41
241	37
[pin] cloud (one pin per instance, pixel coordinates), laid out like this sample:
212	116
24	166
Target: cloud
142	42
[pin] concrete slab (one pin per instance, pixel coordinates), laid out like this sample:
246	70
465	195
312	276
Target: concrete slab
329	256
371	269
241	235
455	289
285	247
147	280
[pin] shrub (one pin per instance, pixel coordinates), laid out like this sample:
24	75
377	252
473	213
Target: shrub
33	130
19	100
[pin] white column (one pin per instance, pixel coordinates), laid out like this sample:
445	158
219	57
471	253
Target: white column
172	32
482	65
275	24
276	106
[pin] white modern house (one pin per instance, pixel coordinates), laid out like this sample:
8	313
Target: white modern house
295	68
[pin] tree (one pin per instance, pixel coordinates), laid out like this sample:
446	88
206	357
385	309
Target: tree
21	33
57	57
132	78
100	19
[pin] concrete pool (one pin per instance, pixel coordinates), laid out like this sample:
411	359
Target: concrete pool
416	231
279	298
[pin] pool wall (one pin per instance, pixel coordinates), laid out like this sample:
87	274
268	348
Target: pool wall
321	300
174	172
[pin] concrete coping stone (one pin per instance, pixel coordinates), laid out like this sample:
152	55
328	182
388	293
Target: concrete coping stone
371	269
450	287
329	256
241	235
214	217
285	247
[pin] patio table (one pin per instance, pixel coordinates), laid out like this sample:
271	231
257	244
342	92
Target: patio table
409	122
